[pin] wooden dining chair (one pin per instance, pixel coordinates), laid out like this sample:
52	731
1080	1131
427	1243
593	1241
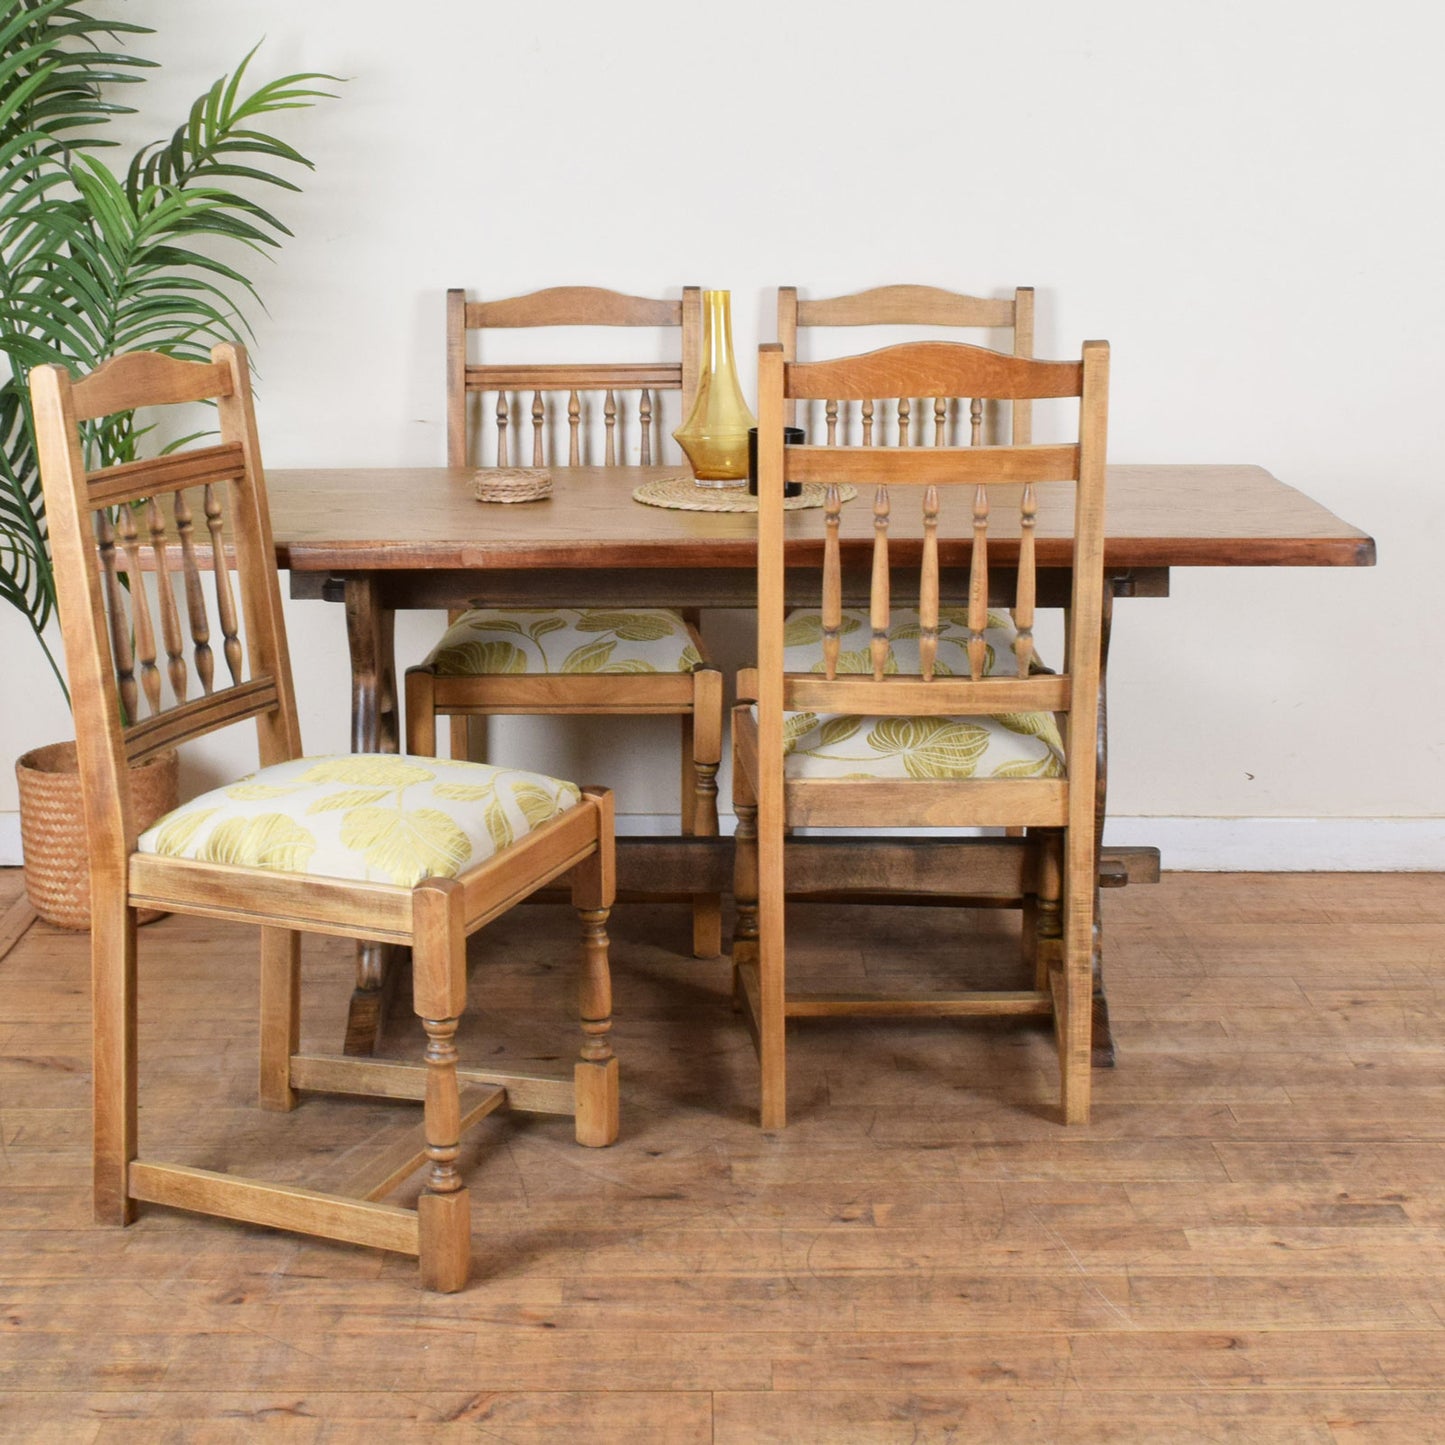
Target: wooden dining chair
584	659
380	847
907	421
932	748
899	420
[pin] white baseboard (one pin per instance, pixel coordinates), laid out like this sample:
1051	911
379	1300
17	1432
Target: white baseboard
1201	845
1288	845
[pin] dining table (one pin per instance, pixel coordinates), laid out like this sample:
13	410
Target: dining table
379	539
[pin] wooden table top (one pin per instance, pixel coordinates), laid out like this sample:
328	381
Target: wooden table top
424	518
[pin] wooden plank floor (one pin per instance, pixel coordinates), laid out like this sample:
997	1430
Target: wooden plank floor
1247	1244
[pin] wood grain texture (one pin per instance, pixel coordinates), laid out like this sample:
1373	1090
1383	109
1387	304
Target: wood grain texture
1244	1244
399	521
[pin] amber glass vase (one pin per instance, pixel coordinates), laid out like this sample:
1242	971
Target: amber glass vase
715	435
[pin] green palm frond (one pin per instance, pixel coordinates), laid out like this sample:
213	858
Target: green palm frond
96	260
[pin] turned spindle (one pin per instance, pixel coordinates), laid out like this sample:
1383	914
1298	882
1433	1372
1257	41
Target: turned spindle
116	615
928	587
978	586
195	594
574	429
503	417
1023	613
878	606
225	598
140	611
170	617
832	581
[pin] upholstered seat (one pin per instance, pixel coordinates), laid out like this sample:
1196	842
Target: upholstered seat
367	816
488	642
803	638
1011	745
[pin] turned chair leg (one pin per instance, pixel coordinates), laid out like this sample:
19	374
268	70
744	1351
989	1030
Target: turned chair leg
439	969
444	1210
594	888
595	1073
1049	928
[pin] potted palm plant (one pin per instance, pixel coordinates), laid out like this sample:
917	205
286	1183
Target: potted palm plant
96	260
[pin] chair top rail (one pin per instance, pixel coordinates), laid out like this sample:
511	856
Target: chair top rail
146	378
574	306
588	376
933	368
908	306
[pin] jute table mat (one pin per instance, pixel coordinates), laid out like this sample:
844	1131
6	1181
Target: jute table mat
682	494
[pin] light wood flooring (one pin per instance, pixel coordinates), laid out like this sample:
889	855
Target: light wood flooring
1245	1245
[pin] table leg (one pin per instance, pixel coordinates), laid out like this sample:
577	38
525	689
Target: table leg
375	728
370	629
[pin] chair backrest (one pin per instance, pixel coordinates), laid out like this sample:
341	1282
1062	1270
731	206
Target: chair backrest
167	519
581	383
998	481
913	306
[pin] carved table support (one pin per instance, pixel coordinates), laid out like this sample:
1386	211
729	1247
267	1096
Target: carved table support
375	728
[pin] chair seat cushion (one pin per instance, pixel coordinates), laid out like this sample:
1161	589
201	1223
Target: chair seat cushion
1014	745
487	641
372	817
803	643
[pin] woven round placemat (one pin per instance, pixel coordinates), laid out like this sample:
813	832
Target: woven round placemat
512	484
682	494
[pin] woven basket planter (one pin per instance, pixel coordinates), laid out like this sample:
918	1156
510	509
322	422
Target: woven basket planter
52	827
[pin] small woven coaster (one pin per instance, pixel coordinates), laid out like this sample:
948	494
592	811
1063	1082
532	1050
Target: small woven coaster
512	484
682	494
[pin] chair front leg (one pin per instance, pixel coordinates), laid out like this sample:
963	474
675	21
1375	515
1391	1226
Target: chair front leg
113	1028
439	969
594	889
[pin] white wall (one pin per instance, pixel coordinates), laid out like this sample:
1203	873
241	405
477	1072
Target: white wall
1243	198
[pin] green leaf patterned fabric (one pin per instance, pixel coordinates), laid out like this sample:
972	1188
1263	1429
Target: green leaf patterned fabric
488	641
823	745
803	643
373	817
